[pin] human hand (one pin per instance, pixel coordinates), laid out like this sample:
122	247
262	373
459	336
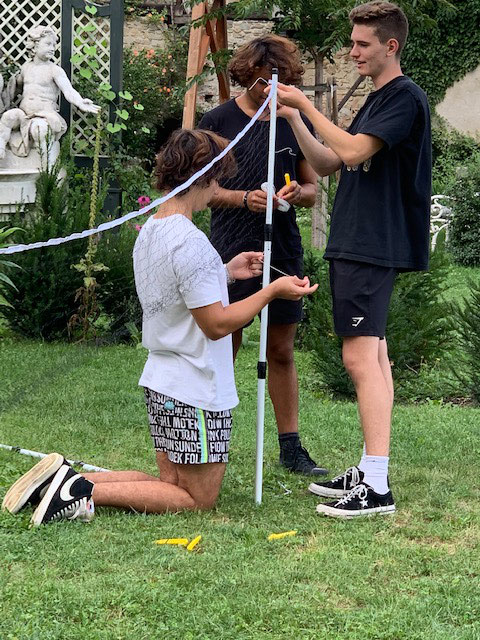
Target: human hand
292	288
257	201
290	96
246	265
292	192
87	105
289	113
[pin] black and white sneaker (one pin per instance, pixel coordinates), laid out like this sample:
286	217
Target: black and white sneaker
296	459
339	486
360	501
32	486
68	497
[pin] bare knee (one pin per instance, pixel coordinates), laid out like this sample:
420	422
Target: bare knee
280	355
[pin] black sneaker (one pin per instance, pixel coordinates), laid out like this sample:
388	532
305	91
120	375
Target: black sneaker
69	497
360	501
296	458
339	486
32	486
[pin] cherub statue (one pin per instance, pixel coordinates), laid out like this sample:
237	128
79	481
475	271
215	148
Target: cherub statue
37	122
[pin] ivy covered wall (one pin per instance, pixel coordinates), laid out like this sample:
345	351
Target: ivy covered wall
436	57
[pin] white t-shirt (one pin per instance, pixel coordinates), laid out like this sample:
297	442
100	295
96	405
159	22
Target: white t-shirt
177	269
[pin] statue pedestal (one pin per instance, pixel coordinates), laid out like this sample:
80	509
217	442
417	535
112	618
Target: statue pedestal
18	177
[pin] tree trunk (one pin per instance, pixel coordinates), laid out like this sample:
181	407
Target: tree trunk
319	211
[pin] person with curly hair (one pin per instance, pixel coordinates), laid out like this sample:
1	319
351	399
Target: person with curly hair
238	218
188	378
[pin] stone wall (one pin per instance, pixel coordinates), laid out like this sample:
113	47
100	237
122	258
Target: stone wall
143	33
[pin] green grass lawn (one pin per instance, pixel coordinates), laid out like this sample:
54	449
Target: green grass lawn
414	575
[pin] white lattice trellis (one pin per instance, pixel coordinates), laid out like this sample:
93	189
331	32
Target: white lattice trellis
17	17
82	130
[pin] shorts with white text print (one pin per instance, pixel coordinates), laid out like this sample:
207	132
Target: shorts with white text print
188	435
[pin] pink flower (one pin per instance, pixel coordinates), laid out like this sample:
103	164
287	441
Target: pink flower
143	201
138	227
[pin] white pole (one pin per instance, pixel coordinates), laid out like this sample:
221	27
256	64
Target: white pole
267	250
37	454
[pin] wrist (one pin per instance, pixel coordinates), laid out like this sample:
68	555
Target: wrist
245	199
230	278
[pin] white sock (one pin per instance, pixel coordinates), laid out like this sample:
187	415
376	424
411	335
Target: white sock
375	469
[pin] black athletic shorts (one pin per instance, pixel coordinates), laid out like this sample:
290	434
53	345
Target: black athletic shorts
361	294
279	311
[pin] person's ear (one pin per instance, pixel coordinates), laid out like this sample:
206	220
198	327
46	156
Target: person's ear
392	47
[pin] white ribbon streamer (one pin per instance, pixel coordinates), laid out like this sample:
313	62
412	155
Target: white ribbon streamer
17	248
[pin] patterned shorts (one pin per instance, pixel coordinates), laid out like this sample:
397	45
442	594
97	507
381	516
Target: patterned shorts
186	434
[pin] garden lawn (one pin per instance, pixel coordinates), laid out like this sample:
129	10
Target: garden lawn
414	575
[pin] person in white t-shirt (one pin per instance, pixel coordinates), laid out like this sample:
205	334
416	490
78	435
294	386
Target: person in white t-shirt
188	377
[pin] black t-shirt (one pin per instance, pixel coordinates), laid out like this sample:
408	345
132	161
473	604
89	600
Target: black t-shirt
381	213
234	230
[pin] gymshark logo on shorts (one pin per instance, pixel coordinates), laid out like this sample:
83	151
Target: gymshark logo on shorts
356	320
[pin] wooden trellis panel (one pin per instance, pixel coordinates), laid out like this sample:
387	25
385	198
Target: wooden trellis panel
17	17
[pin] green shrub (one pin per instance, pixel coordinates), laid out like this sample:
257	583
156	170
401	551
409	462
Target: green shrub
466	323
45	299
5	264
451	149
155	77
417	330
464	241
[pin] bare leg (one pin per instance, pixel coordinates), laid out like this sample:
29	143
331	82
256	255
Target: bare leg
385	366
10	120
237	341
198	488
282	376
119	476
361	359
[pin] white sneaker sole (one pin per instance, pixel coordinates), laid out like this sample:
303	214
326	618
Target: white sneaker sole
347	515
19	493
40	511
325	492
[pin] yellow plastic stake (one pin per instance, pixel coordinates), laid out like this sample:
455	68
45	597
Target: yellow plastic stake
182	542
279	536
191	546
287	179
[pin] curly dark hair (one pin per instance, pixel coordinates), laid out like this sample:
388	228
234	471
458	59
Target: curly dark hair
185	153
386	18
270	51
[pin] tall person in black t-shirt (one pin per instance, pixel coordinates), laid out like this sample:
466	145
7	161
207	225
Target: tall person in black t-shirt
238	218
379	226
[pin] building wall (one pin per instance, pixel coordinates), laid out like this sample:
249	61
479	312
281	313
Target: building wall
460	105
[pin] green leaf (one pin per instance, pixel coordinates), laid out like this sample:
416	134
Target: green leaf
91	9
4	303
78	42
88	282
78	57
126	95
122	113
6	279
86	73
139	107
89	27
122	126
145	130
93	64
113	128
90	51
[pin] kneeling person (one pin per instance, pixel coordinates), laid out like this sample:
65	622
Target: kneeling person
188	377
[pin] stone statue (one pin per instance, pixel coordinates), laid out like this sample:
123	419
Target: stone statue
37	123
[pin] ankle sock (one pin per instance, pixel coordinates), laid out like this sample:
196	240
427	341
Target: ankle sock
375	469
289	439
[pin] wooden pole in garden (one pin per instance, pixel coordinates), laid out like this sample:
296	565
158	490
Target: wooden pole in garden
210	35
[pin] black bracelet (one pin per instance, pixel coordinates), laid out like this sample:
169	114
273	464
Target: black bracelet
245	197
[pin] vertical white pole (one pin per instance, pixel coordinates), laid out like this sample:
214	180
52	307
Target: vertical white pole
267	250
